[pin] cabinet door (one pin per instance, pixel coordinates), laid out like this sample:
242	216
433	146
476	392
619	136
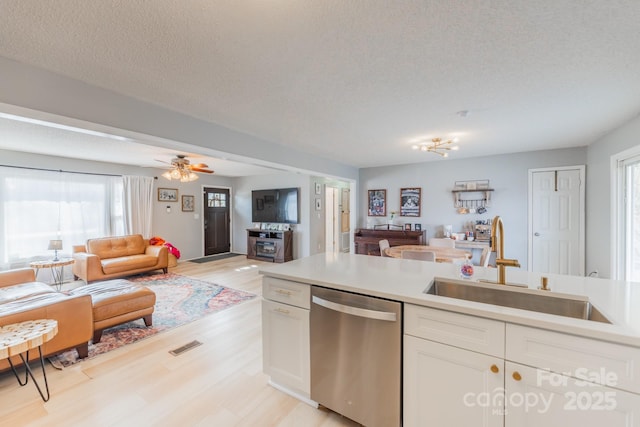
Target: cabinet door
285	345
536	397
449	386
251	247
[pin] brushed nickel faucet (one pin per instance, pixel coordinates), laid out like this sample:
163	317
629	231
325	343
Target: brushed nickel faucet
497	246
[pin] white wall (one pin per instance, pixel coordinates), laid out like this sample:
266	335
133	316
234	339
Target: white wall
599	193
508	175
242	208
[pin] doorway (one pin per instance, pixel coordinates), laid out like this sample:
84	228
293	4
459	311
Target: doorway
557	220
337	219
217	221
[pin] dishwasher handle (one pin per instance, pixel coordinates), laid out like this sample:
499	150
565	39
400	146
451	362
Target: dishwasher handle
355	311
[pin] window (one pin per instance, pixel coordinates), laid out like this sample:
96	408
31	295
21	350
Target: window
38	206
626	240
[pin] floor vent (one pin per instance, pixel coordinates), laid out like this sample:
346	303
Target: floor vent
178	351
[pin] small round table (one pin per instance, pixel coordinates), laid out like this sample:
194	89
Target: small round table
17	339
56	267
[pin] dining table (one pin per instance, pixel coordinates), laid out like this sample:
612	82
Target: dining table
442	254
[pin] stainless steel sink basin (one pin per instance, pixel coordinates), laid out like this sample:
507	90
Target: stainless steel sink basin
567	305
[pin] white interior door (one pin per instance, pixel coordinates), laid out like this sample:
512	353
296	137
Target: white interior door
556	220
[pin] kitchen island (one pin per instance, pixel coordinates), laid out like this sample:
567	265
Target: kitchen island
458	352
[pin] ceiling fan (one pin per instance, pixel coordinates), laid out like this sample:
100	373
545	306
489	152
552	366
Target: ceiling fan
181	169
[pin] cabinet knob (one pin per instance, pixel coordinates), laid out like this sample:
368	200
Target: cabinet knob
516	376
282	311
283	292
495	369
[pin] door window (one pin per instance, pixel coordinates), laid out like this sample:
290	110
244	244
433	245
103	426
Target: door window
216	200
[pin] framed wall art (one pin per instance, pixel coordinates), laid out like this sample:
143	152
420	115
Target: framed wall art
410	201
377	202
167	194
188	203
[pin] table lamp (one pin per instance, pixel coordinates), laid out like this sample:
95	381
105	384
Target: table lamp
55	245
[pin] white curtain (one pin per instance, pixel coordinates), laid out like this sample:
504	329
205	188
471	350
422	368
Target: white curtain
138	205
37	206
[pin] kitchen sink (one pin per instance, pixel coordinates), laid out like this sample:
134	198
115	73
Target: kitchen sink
575	306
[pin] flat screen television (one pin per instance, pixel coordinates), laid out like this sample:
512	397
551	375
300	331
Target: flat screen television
278	205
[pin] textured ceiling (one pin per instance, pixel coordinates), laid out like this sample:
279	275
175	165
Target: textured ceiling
359	78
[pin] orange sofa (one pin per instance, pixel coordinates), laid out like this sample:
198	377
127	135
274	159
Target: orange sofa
22	298
112	257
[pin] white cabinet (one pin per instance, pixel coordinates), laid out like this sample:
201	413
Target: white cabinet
453	363
463	370
449	386
541	398
285	335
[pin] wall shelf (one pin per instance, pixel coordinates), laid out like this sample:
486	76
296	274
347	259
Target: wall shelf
472	196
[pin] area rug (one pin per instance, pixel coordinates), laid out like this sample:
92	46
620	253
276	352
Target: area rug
179	300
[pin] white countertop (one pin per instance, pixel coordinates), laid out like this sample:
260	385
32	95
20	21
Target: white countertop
405	280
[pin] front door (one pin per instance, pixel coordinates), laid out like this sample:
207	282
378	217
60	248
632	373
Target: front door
216	221
556	241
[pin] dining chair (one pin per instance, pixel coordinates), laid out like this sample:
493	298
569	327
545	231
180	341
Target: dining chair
384	244
419	255
442	242
484	256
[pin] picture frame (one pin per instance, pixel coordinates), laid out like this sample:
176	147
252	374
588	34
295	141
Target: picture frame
167	194
410	201
377	202
188	203
318	188
417	227
407	227
318	204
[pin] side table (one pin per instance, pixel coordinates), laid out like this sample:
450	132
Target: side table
17	339
56	267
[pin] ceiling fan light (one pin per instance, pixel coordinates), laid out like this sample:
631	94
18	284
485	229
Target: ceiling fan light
175	174
167	175
455	148
192	176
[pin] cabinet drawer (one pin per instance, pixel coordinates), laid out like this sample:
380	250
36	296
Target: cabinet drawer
286	291
610	364
468	332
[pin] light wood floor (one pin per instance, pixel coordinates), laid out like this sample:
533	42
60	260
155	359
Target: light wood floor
219	383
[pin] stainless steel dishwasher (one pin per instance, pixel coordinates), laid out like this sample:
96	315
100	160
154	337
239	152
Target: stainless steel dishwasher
356	356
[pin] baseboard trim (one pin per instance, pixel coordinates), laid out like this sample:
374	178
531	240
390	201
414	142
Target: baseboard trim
297	395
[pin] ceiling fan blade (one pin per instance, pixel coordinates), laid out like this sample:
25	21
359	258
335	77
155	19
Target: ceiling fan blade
200	165
203	170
